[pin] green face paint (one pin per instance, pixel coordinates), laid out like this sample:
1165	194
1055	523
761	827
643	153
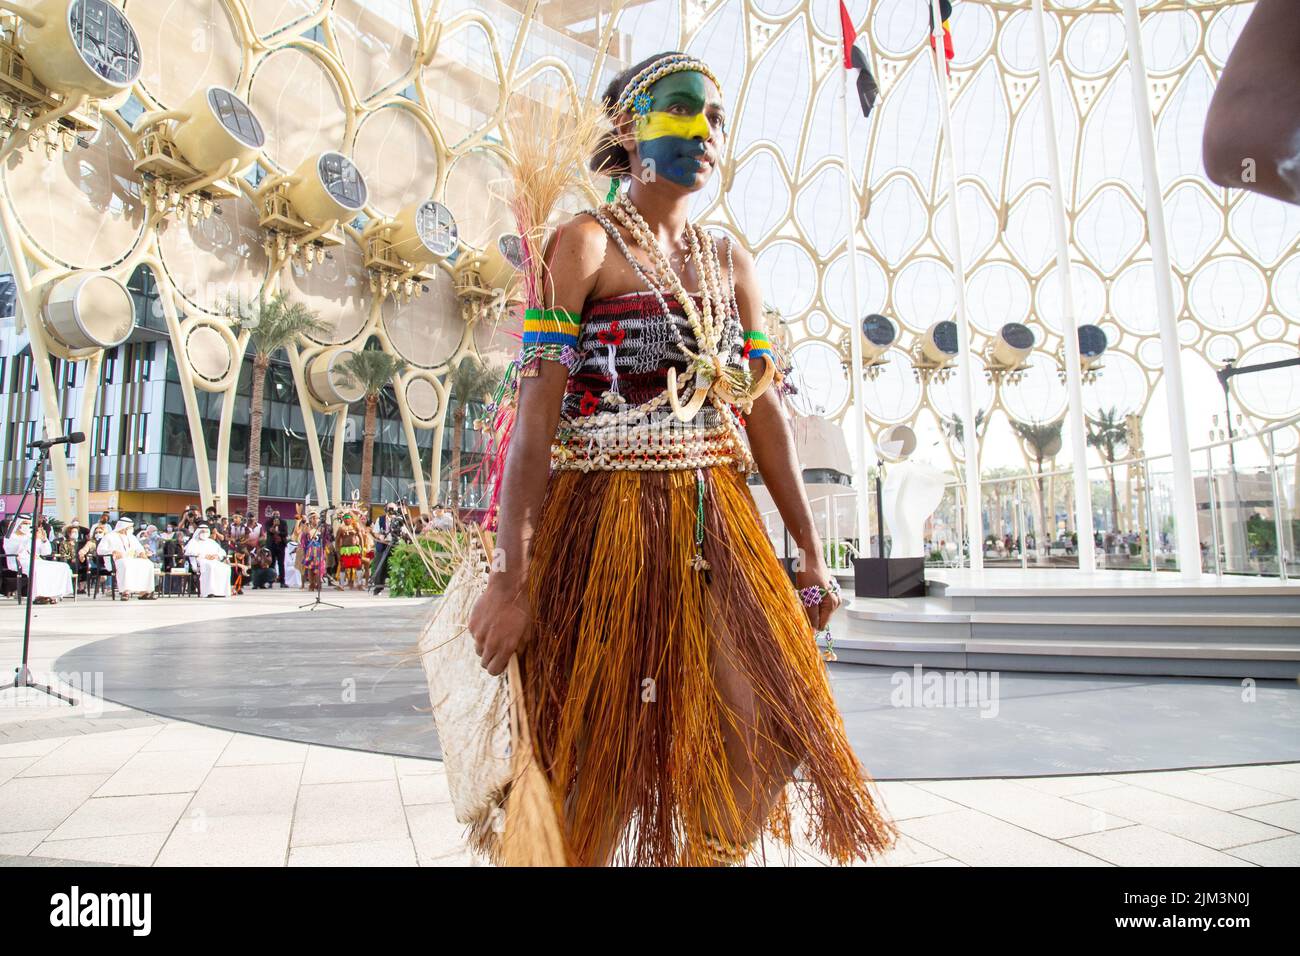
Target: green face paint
672	134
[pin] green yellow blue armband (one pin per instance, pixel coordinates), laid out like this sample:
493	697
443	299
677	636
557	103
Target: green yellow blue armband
549	334
756	345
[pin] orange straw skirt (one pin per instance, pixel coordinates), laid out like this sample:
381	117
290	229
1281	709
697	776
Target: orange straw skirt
650	691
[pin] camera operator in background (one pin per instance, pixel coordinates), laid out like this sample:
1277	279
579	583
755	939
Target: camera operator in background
389	530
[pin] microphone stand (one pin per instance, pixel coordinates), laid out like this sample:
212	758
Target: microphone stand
320	578
23	673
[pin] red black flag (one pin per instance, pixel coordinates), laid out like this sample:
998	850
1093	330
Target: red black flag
855	59
945	11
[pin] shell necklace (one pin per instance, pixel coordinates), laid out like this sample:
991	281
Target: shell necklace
718	382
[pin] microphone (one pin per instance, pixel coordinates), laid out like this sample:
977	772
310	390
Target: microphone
76	438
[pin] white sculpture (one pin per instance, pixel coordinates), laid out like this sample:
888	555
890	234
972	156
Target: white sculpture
912	491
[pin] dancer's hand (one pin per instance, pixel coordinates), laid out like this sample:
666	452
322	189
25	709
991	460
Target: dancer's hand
819	615
499	623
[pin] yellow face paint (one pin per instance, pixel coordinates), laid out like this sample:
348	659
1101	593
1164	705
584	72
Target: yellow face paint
656	124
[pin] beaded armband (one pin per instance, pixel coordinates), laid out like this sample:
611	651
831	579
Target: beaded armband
549	334
756	345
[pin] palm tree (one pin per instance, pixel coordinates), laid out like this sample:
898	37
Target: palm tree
471	382
370	370
955	430
1108	433
1043	441
272	324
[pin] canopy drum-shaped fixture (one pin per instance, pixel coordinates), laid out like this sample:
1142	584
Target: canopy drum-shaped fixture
1011	347
424	233
328	383
939	344
878	334
89	310
216	128
327	188
500	262
80	46
1092	346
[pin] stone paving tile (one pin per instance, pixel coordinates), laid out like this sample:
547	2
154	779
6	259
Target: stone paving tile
122	816
1042	813
246	749
240	840
20	844
1210	790
34	803
977	839
179	736
1217	829
946	861
435	831
1141	845
101	753
163	771
904	800
374	853
1285	814
10	767
415	766
424	788
333	765
362	811
135	850
31	747
1280	780
48	862
1064	786
1281	852
257	789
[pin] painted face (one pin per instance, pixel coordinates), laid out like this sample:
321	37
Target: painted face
679	138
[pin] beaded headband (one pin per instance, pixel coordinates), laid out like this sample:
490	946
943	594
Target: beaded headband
632	97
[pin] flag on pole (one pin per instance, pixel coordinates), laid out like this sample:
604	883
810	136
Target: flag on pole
855	59
850	35
945	11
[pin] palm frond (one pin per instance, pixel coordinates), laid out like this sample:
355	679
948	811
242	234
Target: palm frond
370	370
274	323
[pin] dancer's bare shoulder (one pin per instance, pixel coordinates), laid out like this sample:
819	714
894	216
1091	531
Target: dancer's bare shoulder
574	257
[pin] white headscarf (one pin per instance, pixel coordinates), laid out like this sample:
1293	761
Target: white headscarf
202	546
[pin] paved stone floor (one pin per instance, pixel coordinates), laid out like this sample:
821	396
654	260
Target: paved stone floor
104	784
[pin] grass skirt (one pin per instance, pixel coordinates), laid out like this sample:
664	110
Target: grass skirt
666	709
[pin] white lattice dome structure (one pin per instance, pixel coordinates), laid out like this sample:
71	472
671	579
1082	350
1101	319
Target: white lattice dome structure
413	93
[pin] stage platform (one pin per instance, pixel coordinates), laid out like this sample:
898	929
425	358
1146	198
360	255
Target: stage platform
345	678
1064	621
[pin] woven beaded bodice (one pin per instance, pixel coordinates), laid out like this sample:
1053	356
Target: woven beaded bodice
625	348
615	413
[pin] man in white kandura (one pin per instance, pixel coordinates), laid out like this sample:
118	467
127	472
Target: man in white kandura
53	579
214	571
134	570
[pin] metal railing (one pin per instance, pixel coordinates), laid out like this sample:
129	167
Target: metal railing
1246	497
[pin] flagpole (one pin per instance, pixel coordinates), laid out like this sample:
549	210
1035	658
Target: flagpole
855	346
1069	321
965	367
1186	522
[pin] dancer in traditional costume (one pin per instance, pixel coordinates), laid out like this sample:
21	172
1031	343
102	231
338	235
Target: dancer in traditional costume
214	570
348	541
131	564
671	675
50	580
311	548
